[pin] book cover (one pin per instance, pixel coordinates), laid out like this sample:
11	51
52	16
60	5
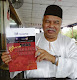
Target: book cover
21	47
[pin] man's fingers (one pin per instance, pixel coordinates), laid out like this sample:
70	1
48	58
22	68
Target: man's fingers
38	51
42	58
38	58
5	53
7	59
6	62
6	56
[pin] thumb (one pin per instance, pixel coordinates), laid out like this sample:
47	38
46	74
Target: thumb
38	47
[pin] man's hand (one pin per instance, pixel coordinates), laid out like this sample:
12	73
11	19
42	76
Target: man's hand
6	58
44	55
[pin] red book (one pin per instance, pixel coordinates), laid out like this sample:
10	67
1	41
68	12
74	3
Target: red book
21	46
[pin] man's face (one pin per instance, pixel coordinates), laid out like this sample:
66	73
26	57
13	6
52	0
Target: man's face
51	26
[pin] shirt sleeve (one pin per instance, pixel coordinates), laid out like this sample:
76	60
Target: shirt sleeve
67	65
13	74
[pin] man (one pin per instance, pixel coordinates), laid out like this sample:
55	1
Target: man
56	54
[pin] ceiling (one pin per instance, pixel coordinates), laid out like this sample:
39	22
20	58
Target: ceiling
31	13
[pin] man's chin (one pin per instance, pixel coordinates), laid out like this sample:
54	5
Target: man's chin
51	36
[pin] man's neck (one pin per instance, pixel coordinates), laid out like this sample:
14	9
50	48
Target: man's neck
50	39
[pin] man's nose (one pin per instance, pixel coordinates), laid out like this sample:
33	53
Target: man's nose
51	24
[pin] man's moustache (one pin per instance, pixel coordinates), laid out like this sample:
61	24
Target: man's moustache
50	29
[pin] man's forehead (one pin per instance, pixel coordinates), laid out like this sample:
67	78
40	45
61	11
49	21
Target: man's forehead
51	17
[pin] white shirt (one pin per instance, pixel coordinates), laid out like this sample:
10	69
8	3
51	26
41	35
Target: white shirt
63	47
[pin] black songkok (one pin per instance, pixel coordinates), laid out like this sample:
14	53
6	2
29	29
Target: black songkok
53	10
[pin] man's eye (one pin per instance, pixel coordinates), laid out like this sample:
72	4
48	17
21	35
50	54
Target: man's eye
47	21
56	22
